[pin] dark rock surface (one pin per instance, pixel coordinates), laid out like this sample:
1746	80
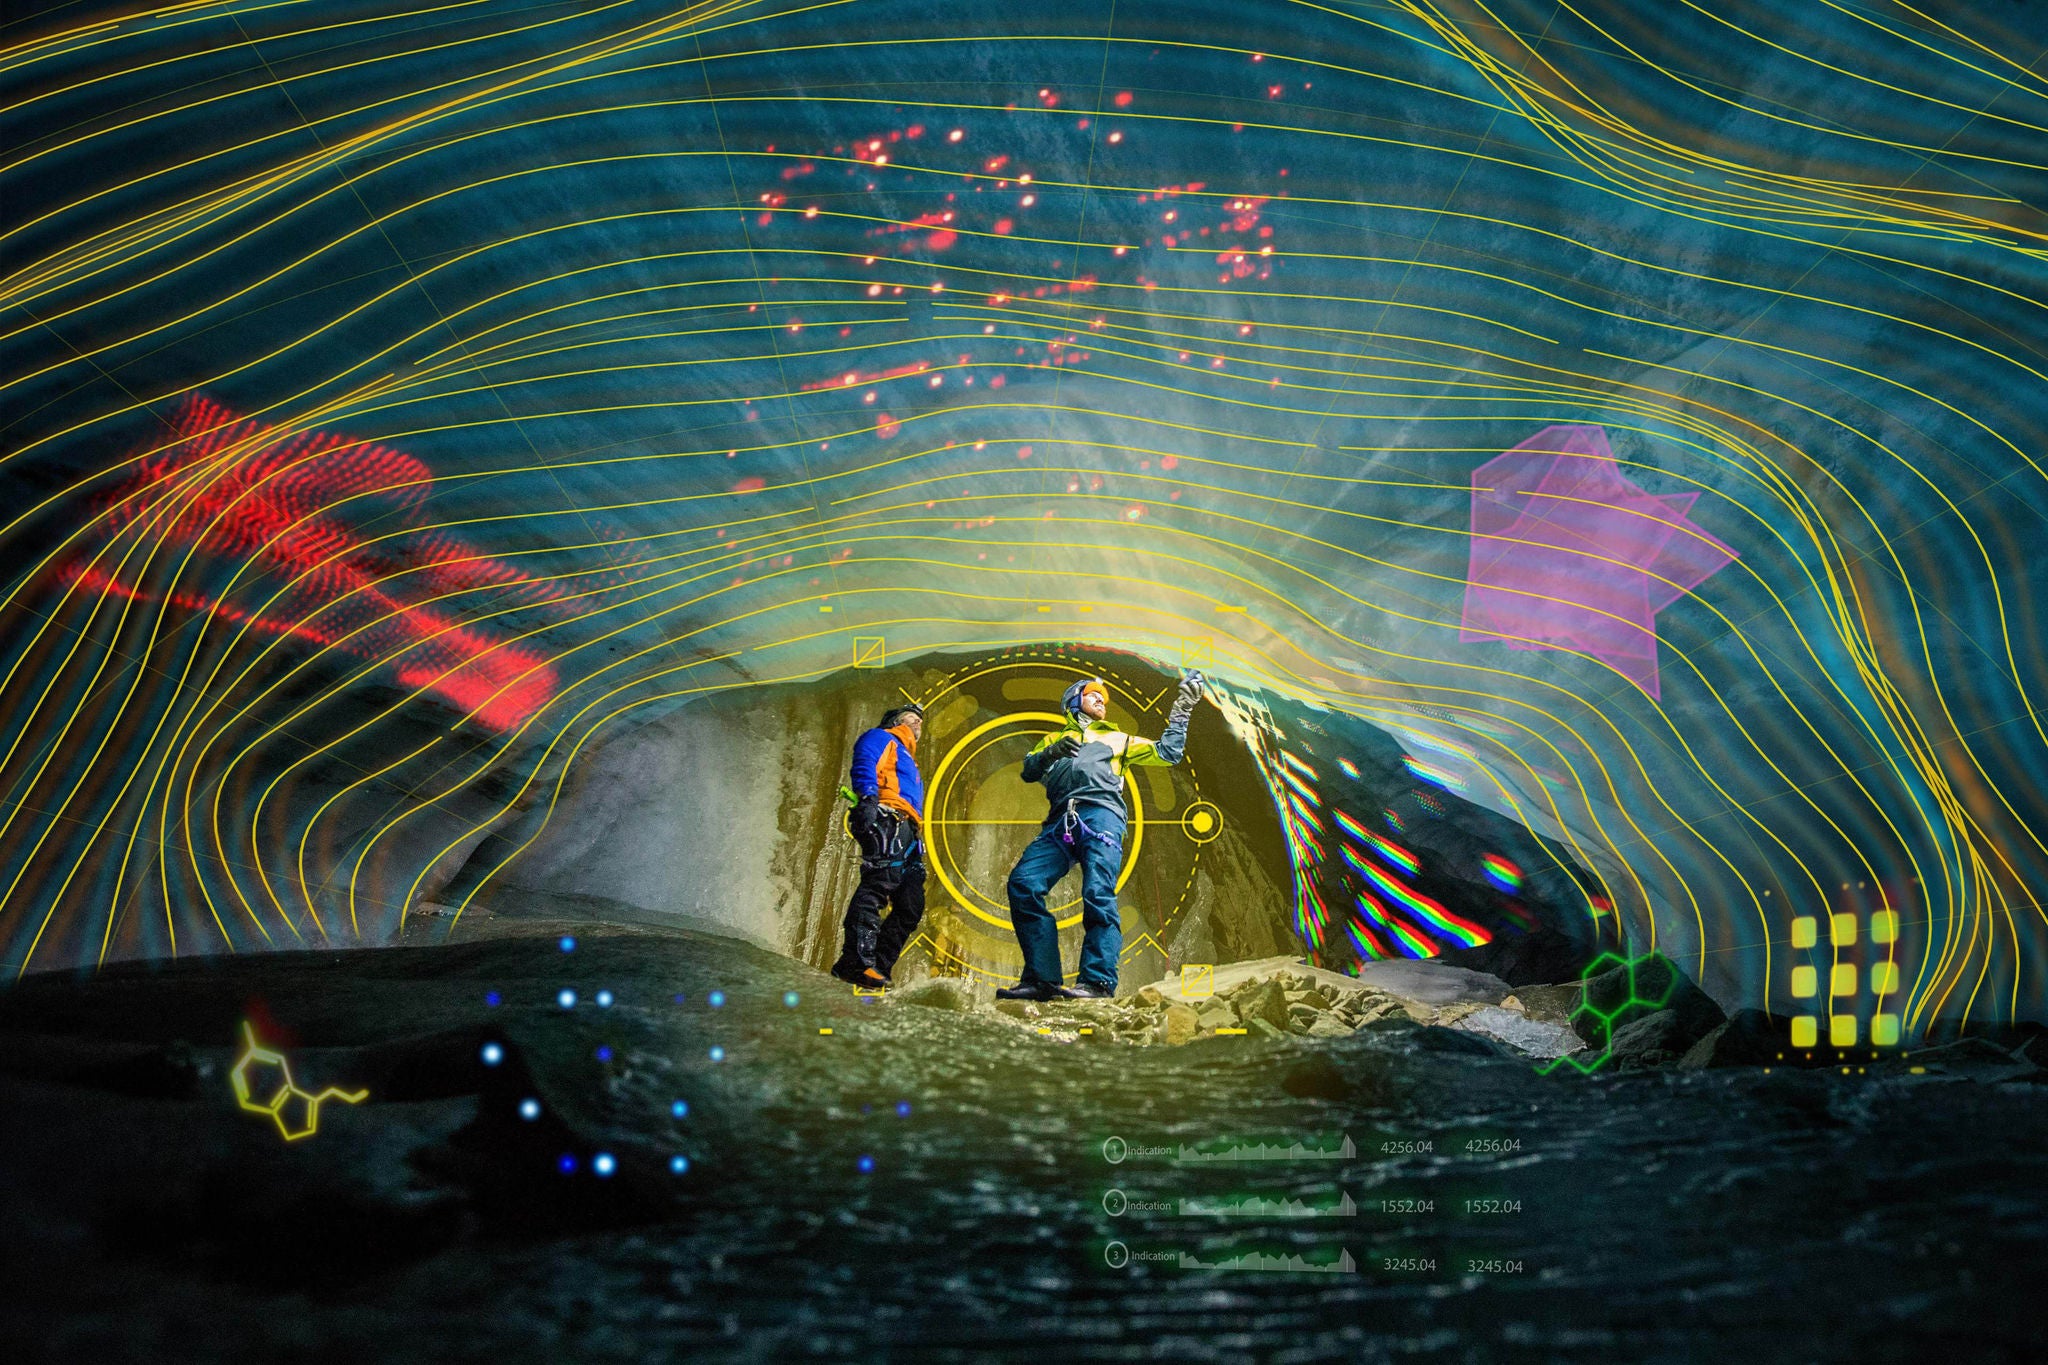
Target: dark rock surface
1537	958
1653	1040
1660	1215
1746	1038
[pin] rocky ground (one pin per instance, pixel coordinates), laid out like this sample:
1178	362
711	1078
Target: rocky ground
1276	998
923	1177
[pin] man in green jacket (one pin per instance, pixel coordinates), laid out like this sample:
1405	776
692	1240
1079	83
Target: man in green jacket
1082	767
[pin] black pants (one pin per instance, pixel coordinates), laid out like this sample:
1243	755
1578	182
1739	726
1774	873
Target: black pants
891	874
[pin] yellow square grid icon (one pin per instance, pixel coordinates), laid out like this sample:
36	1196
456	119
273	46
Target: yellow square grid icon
1805	931
869	651
1198	979
1805	1031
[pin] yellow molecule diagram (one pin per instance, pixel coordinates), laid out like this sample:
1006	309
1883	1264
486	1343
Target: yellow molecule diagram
296	1112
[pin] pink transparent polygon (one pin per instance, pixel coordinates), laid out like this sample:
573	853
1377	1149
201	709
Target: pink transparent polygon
1567	553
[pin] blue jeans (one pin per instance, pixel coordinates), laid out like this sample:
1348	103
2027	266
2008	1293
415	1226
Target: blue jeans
1046	860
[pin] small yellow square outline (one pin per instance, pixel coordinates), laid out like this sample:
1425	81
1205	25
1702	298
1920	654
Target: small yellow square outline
1198	980
870	651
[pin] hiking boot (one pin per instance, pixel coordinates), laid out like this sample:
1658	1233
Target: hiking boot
1029	990
867	978
1088	990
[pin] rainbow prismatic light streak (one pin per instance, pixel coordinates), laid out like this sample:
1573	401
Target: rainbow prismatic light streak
1310	914
1367	942
1402	932
1350	768
1395	855
1467	933
1429	772
1412	943
1503	874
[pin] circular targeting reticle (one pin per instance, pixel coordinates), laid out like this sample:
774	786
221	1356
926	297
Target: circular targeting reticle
1201	821
979	815
971	753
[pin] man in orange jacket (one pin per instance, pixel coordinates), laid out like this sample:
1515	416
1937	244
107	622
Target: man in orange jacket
887	822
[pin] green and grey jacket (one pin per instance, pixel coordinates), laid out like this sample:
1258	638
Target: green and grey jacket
1094	774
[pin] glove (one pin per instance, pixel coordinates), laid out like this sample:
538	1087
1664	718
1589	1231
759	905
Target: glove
1184	704
864	814
1066	746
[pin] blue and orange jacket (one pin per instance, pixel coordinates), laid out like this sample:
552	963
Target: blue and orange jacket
884	767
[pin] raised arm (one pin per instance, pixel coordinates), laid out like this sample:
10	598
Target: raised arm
1166	751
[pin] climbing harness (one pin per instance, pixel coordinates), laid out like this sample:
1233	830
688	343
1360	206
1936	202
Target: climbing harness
1073	830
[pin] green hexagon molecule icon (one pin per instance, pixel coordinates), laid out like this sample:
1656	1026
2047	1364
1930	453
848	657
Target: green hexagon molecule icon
1618	990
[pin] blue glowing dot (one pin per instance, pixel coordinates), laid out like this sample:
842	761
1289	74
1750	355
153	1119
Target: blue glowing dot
568	944
866	1164
492	1054
529	1110
604	1053
717	1054
717	999
567	1164
678	1163
567	999
789	998
603	1164
677	997
903	1109
679	1109
493	999
604	1000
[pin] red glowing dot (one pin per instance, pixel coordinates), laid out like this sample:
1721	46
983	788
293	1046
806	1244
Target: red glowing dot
1123	99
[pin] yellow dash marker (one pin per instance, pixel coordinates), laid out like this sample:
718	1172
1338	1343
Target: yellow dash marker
1045	608
1045	1031
825	1031
1222	1031
824	606
1087	1030
1238	609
